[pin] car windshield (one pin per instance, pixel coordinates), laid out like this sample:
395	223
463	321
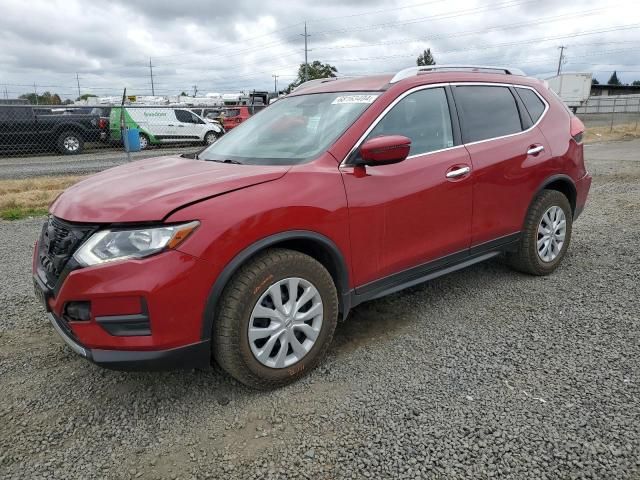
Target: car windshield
293	130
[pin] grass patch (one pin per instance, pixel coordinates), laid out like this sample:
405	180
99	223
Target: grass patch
623	131
16	213
32	196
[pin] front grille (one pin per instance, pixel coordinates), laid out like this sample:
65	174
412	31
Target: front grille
58	242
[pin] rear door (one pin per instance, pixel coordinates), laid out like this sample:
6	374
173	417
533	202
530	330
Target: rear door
508	153
408	214
17	126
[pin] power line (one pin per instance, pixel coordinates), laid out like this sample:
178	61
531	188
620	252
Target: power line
458	13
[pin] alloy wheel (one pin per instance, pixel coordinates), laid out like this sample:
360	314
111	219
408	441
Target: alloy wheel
71	143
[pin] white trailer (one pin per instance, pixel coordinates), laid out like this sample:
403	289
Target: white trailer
573	88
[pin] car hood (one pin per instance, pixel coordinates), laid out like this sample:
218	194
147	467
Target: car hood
148	190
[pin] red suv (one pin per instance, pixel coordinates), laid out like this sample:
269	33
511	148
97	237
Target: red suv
344	191
233	116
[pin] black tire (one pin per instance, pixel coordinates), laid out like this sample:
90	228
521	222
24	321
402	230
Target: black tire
526	258
144	141
70	143
231	349
210	137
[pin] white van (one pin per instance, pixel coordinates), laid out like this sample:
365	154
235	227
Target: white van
159	125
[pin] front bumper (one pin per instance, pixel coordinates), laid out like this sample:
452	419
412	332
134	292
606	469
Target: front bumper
196	355
144	314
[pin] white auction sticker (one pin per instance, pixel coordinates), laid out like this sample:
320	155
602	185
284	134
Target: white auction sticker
354	99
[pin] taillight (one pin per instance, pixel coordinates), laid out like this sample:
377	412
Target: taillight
102	123
577	129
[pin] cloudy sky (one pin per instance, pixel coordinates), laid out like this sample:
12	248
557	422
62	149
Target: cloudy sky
233	45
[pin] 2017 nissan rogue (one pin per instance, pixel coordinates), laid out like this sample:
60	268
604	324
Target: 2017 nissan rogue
344	191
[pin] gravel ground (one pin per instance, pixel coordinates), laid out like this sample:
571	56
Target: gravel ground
483	373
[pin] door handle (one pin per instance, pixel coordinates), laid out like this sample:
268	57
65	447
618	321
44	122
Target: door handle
535	150
458	172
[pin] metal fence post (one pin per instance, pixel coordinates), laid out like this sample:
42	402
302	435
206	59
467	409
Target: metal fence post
613	114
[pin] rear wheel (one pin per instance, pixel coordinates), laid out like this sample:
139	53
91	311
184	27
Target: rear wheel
546	235
276	319
70	143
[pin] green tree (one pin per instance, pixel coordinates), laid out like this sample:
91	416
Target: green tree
636	83
85	96
425	58
183	94
47	98
317	70
614	79
594	81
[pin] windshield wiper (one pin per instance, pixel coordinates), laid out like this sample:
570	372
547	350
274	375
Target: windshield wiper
227	160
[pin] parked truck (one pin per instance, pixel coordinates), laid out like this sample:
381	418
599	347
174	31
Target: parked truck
24	128
573	88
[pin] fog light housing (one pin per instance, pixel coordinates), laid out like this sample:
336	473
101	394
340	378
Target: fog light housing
77	311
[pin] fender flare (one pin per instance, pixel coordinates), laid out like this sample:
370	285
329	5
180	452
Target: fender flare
342	274
548	181
554	178
69	127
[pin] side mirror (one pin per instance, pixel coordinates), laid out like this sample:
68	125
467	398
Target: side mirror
385	150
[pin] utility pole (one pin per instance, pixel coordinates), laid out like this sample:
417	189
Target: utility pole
153	92
561	47
306	50
275	84
195	91
35	91
78	80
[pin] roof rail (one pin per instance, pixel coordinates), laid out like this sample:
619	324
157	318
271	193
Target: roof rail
411	71
316	81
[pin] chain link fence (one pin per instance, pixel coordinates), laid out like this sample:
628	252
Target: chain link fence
611	112
67	131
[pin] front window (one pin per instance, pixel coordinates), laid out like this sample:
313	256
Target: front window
293	130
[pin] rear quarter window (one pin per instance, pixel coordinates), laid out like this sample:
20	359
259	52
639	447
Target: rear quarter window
532	102
487	112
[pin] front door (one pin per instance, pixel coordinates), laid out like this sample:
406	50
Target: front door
411	213
189	126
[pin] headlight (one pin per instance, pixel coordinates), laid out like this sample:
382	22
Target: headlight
108	245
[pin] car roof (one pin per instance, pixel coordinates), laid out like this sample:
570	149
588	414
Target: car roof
383	82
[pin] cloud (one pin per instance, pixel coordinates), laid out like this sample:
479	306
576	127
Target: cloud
228	46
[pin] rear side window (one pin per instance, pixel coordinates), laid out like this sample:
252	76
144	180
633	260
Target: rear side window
487	112
532	103
424	117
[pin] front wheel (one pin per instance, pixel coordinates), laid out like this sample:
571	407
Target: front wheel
211	137
144	141
546	234
276	319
